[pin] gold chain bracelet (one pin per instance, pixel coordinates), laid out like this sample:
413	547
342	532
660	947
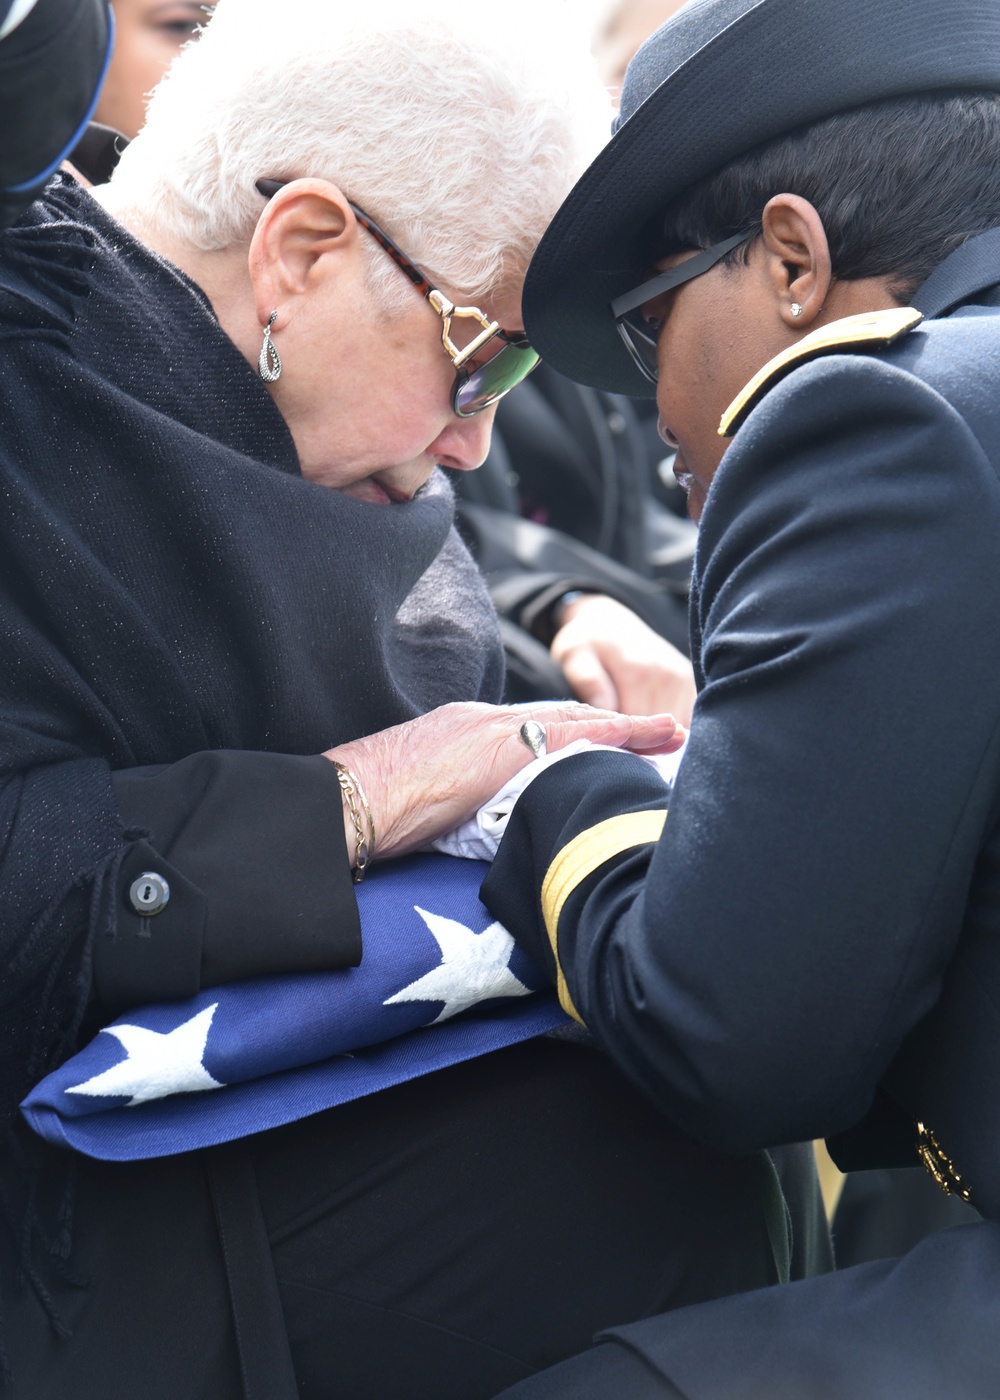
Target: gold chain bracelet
364	846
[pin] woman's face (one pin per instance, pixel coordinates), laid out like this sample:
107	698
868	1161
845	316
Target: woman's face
717	330
714	334
367	396
149	34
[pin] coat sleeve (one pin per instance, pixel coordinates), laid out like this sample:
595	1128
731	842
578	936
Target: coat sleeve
252	850
249	850
756	966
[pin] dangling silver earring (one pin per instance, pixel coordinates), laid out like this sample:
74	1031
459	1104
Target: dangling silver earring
269	363
795	309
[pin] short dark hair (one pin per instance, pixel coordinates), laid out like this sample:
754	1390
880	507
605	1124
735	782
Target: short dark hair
899	185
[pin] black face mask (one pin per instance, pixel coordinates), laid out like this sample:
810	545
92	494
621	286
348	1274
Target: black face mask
52	65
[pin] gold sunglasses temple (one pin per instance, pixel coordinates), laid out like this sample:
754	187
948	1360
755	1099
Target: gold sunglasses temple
447	310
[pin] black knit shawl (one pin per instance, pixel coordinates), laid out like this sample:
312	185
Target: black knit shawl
170	583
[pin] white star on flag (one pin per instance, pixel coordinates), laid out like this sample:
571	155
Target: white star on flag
474	968
157	1063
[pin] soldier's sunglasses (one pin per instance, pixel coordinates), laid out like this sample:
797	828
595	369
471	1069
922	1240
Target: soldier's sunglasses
627	309
477	386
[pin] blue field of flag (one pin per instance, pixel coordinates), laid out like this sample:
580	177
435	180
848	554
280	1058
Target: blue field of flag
440	982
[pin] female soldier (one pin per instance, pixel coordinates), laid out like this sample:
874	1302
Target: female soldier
808	944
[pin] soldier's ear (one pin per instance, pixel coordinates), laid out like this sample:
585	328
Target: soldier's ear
799	268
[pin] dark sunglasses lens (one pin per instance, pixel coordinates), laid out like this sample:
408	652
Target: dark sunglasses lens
642	347
493	379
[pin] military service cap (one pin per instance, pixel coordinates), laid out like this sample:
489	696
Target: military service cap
718	79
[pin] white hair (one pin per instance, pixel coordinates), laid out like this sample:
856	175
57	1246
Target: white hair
459	141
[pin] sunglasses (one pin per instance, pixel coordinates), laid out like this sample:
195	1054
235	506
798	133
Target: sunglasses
626	310
476	386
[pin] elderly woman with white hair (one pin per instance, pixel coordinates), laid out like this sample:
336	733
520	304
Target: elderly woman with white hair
228	563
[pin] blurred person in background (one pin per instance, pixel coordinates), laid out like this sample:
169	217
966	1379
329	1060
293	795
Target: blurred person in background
622	31
149	34
227	561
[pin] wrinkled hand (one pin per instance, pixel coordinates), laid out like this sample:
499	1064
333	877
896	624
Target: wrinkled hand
427	776
612	659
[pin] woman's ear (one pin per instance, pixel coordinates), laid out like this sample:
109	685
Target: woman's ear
304	230
799	268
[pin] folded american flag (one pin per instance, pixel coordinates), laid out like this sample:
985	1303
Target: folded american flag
440	982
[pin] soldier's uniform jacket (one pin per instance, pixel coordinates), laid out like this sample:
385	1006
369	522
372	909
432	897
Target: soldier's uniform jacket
808	944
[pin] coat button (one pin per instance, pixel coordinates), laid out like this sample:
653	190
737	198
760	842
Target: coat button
149	894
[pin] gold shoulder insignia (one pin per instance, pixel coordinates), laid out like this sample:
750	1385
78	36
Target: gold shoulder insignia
871	329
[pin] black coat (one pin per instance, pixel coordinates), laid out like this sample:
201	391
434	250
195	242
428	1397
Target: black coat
186	622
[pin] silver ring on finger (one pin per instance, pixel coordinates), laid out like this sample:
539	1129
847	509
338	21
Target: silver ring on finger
532	736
